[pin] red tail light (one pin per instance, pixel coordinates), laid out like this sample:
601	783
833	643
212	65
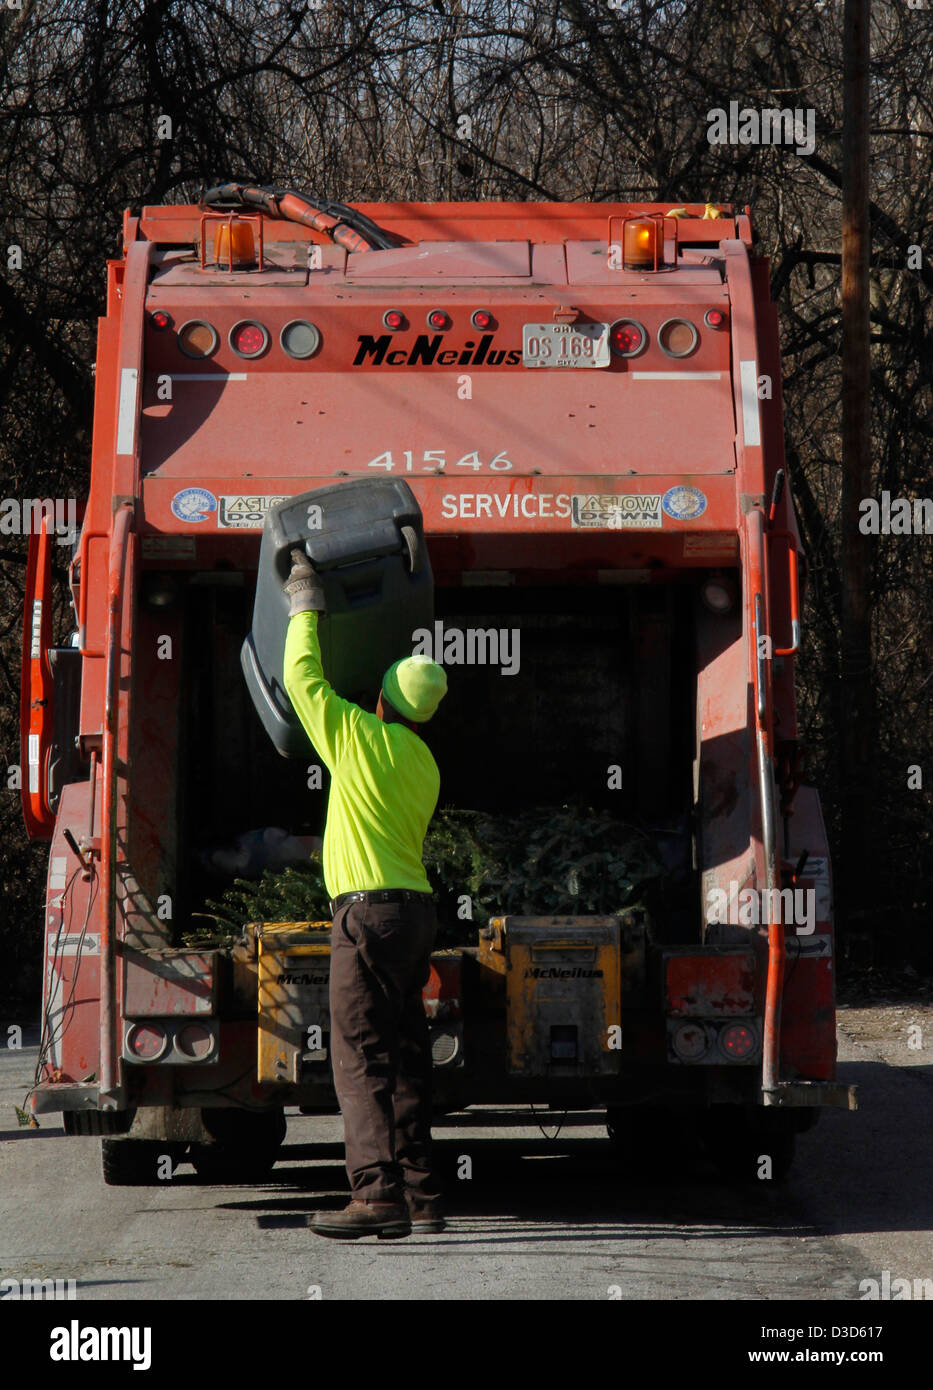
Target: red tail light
248	339
738	1042
146	1042
627	338
438	320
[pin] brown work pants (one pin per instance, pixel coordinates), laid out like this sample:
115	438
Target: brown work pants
380	1049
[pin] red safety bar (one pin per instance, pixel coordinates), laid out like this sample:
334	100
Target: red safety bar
35	707
794	594
119	542
757	571
87	535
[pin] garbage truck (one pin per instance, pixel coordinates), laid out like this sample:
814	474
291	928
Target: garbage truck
577	410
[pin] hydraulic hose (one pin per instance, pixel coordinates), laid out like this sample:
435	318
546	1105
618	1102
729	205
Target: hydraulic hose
344	225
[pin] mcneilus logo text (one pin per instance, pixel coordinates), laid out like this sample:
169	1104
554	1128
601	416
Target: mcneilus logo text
428	352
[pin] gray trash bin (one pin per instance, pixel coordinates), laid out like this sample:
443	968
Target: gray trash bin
367	542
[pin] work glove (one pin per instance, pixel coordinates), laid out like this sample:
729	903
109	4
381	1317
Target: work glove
304	586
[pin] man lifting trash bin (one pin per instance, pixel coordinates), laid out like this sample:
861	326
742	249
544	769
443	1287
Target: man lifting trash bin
384	789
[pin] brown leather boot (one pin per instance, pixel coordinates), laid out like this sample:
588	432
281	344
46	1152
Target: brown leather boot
387	1220
427	1218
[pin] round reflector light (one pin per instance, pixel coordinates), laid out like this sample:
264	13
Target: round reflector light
438	319
248	339
738	1042
160	319
690	1041
195	1042
714	318
146	1042
481	318
394	319
444	1047
718	593
678	337
627	338
197	338
300	338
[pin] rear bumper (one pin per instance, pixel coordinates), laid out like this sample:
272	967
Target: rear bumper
812	1094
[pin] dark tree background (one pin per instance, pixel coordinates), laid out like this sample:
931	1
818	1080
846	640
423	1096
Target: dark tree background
561	99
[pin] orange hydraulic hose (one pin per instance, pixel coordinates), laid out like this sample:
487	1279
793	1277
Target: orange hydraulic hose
298	211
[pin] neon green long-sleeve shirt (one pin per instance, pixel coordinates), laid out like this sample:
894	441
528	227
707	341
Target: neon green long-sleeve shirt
384	780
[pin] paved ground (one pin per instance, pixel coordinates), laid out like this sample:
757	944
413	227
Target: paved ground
538	1218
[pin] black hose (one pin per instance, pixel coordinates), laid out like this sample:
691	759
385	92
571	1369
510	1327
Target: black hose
266	197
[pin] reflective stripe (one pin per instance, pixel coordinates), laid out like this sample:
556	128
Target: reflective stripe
33	763
126	419
676	376
750	419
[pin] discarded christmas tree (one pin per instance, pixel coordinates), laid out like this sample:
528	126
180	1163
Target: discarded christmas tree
547	861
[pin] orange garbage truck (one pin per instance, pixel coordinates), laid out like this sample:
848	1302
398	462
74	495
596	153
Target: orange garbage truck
580	405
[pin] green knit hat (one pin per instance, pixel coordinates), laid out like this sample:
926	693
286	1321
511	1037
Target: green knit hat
415	687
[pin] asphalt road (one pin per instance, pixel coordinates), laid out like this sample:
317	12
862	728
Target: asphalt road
539	1217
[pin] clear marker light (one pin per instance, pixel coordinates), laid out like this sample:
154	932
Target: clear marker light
718	593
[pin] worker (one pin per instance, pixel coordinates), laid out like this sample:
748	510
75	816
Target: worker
384	788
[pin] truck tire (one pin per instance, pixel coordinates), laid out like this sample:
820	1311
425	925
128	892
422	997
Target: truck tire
137	1162
245	1146
739	1143
646	1138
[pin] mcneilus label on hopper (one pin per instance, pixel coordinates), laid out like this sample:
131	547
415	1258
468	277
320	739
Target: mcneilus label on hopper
617	511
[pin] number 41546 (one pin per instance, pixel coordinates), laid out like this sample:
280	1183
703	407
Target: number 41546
435	461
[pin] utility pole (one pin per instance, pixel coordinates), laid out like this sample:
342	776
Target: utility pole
858	748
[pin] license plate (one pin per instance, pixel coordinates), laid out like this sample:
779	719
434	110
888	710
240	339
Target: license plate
565	345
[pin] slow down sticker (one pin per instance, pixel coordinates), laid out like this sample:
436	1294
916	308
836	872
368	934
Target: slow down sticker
616	511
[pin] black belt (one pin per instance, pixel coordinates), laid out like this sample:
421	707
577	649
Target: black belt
381	895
